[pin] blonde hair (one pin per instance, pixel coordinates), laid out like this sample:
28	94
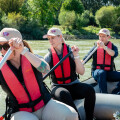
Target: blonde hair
27	45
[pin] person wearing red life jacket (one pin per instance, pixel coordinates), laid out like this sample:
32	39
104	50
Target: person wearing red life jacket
103	61
21	79
66	86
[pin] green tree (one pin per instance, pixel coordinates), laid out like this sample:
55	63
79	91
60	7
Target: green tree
116	25
44	12
94	5
114	2
1	14
106	16
73	5
9	6
67	18
13	20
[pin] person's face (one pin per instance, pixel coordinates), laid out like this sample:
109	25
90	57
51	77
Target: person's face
104	38
4	46
55	41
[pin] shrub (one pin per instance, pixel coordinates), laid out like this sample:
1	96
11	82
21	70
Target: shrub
13	20
73	5
116	25
1	14
105	16
82	20
67	18
92	20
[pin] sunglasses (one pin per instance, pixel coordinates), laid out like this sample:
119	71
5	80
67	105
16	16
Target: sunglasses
4	46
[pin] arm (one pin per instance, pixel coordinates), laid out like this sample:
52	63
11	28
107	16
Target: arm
79	66
115	49
37	62
108	50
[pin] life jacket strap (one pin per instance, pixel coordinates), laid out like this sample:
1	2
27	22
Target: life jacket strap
65	79
30	104
102	66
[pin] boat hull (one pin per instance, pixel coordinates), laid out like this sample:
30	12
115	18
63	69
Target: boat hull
106	104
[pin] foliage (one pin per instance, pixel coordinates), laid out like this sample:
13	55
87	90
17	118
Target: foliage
92	20
94	5
13	19
44	12
67	18
114	2
92	29
73	5
116	25
1	14
76	21
9	6
25	9
34	17
117	10
105	17
32	31
85	17
82	20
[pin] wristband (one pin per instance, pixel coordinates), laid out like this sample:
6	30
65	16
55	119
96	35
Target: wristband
106	47
24	50
76	57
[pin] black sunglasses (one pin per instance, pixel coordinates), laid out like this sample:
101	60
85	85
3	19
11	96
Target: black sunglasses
4	46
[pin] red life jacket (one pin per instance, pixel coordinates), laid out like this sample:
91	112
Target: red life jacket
103	58
34	99
62	71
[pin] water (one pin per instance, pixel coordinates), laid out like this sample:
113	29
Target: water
40	48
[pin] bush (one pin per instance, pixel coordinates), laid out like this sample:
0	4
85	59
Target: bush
29	29
32	31
116	25
1	14
75	32
116	28
82	20
13	20
105	16
73	5
67	18
92	20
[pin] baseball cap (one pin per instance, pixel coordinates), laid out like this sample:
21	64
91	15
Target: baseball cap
8	33
104	31
53	32
2	39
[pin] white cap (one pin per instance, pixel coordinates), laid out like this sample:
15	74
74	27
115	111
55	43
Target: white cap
9	33
53	32
104	31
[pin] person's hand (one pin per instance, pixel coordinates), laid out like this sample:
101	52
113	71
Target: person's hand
16	44
100	44
75	50
81	60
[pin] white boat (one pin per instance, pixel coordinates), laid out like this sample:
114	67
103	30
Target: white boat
106	104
